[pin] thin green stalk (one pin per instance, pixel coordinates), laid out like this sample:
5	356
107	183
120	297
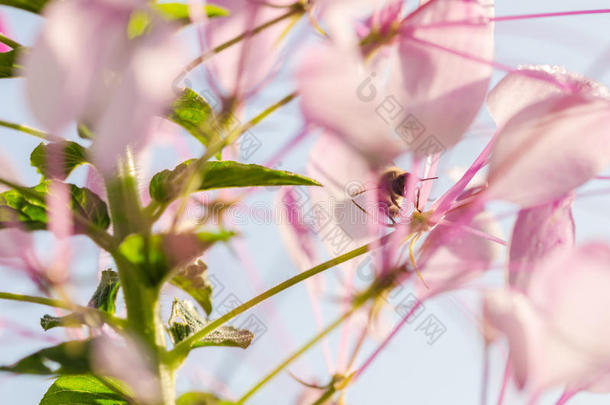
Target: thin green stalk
294	10
300	351
51	302
9	42
266	112
31	131
182	349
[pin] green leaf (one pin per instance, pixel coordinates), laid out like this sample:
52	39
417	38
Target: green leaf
185	321
179	12
157	255
104	299
8	63
19	209
193	113
200	398
166	185
193	280
81	390
35	6
69	321
227	336
66	358
69	154
26	208
89	205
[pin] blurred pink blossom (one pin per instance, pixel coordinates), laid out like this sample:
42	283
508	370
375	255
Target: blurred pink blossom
554	328
5	32
84	68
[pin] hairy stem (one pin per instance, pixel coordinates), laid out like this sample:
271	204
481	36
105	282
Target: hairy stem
141	296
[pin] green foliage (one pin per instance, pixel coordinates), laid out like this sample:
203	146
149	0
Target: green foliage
200	398
166	185
69	321
81	390
104	299
157	255
193	113
89	205
26	208
66	358
22	209
8	63
69	154
193	280
185	321
34	6
179	12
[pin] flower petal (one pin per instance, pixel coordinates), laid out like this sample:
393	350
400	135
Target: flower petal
549	149
445	69
538	233
534	83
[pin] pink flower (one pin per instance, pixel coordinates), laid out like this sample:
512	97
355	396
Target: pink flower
84	68
538	233
552	140
425	73
555	329
127	361
242	68
455	253
4	31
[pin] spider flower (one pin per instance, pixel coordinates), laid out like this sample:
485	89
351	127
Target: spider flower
84	68
414	84
554	327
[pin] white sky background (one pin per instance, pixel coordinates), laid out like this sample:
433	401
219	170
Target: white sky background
409	370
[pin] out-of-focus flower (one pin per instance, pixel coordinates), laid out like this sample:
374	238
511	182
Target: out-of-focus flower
426	75
538	233
554	328
84	68
4	31
455	253
551	141
127	361
242	68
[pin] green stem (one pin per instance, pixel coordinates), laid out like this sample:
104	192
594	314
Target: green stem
299	352
294	10
30	131
141	296
267	111
182	349
124	199
9	42
50	302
